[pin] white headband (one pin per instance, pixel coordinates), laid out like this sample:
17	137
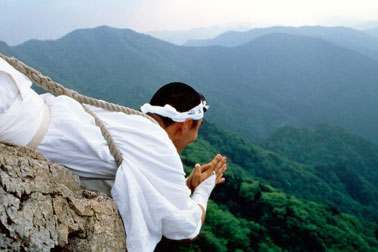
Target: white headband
195	113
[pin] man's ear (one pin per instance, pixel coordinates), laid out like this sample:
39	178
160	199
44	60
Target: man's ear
178	128
182	127
188	123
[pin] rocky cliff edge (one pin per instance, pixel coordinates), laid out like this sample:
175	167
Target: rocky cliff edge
43	207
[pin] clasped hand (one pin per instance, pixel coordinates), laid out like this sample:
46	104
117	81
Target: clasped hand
201	172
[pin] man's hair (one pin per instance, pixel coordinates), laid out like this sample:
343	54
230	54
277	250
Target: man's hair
179	95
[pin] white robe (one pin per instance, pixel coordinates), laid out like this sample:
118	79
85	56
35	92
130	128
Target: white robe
150	187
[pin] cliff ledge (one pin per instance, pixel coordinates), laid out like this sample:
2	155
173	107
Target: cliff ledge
43	207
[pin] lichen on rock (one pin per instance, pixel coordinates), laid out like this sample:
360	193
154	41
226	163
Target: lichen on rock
43	207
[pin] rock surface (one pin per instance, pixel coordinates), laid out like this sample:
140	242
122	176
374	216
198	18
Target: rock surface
43	208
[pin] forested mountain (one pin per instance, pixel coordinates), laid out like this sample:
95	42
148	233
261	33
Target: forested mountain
359	41
340	158
325	145
342	170
300	190
249	214
254	89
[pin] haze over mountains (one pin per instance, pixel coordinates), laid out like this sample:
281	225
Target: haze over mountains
180	37
362	42
254	88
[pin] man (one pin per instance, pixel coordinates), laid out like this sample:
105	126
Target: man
149	187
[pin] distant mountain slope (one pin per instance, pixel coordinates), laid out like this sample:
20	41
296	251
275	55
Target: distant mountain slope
342	36
180	37
342	170
102	61
248	214
253	89
372	31
307	79
336	154
325	145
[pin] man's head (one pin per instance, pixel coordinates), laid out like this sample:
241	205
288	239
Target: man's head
182	98
176	105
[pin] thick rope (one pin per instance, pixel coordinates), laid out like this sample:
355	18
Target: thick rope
107	136
57	89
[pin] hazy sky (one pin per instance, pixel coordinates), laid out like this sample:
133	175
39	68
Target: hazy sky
21	20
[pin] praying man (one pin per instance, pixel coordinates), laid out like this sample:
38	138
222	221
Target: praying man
149	187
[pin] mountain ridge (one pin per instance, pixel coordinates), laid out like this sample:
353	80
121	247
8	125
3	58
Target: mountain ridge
276	87
346	37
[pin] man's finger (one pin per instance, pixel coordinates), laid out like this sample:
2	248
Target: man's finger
221	180
220	166
206	167
197	168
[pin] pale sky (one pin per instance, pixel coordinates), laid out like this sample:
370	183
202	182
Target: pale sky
21	20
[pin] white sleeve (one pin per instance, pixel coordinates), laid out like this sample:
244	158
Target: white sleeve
8	91
202	192
21	109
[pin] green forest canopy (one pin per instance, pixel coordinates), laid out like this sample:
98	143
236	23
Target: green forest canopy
247	214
